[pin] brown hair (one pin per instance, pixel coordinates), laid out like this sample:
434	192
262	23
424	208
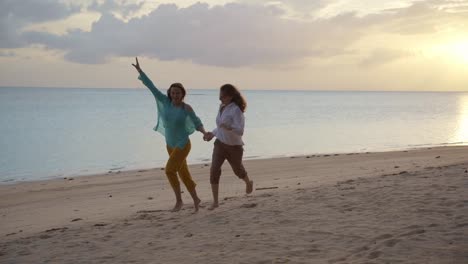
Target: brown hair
237	98
177	85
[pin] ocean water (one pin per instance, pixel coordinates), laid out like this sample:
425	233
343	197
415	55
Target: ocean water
50	132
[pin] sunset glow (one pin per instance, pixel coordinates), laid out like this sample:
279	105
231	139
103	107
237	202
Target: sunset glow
403	45
457	51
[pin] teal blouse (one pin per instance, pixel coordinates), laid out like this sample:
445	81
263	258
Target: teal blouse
174	123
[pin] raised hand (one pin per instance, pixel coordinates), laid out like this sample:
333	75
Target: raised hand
137	65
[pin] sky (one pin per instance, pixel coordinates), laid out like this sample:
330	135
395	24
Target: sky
370	45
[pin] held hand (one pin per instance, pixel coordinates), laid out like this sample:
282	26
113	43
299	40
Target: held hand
137	65
208	136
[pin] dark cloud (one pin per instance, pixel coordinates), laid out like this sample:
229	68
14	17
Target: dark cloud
14	15
34	11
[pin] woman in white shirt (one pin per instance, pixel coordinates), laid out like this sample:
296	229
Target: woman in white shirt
228	145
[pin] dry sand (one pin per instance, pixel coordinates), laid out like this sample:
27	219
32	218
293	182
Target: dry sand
390	207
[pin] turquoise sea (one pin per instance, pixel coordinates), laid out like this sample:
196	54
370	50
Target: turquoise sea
54	132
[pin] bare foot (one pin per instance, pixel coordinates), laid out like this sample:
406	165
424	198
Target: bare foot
249	187
177	207
196	204
213	206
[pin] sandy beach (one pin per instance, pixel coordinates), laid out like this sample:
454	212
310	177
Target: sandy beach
387	207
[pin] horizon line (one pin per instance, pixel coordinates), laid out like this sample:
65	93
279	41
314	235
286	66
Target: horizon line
279	90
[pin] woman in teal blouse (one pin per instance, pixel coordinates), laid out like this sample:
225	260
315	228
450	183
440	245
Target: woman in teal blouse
176	121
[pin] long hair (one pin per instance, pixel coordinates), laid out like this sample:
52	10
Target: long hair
177	85
237	98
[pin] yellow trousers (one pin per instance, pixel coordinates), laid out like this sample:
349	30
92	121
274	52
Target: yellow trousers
177	163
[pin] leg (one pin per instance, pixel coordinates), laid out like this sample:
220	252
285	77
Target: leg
186	178
196	200
217	161
248	185
181	156
171	173
234	157
215	191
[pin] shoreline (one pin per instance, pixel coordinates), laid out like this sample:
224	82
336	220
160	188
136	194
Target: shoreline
358	207
112	171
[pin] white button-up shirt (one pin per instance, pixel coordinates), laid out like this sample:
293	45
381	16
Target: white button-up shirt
230	125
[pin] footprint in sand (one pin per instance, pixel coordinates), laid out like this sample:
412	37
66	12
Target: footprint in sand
24	253
374	255
145	216
413	227
106	238
391	242
149	211
414	232
384	236
62	229
314	250
265	195
286	222
361	249
249	205
44	236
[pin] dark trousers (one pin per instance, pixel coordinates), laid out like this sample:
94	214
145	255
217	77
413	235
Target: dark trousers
233	154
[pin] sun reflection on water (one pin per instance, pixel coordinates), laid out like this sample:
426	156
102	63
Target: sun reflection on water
461	134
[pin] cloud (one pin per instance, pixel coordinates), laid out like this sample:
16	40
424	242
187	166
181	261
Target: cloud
125	9
296	6
32	11
230	35
426	17
14	15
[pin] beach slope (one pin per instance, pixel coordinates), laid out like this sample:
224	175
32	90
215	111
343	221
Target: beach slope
387	207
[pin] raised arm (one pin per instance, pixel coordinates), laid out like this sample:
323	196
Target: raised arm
148	83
